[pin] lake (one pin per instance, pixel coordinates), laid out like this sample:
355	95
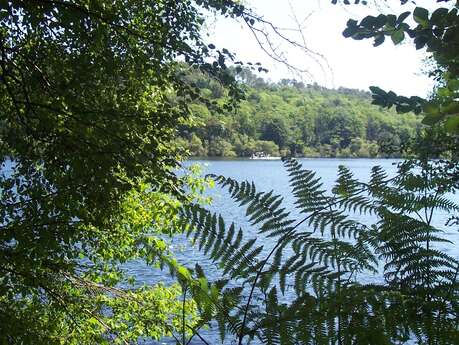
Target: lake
268	175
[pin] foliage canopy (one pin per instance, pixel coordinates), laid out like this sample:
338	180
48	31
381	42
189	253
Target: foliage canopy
290	117
90	95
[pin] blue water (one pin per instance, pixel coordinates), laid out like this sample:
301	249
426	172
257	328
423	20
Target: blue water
269	175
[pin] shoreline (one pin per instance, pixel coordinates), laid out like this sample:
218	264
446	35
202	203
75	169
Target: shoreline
215	158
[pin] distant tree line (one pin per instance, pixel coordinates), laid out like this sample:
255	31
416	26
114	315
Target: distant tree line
289	117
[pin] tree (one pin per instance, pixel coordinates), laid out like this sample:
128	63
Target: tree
274	130
196	147
221	148
296	118
91	93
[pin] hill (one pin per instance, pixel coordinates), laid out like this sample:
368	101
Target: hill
289	117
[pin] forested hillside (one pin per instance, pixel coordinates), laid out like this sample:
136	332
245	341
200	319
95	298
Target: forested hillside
292	118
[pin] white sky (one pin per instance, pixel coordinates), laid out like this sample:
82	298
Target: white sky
353	64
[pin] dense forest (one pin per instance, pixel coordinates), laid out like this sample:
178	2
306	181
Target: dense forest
289	117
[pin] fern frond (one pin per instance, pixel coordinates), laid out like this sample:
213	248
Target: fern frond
316	262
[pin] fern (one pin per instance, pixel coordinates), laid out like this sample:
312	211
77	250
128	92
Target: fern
309	288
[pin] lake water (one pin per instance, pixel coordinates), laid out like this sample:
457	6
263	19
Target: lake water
268	175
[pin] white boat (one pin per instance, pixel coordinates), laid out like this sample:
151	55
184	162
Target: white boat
264	156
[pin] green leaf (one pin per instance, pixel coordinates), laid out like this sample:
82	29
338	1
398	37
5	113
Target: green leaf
444	92
391	21
453	84
377	90
451	108
452	124
421	16
379	39
402	17
183	272
349	31
432	119
438	16
430	108
397	36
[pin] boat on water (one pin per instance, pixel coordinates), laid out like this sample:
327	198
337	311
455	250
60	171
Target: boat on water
264	156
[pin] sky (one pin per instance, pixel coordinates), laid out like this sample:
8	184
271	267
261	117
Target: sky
332	60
